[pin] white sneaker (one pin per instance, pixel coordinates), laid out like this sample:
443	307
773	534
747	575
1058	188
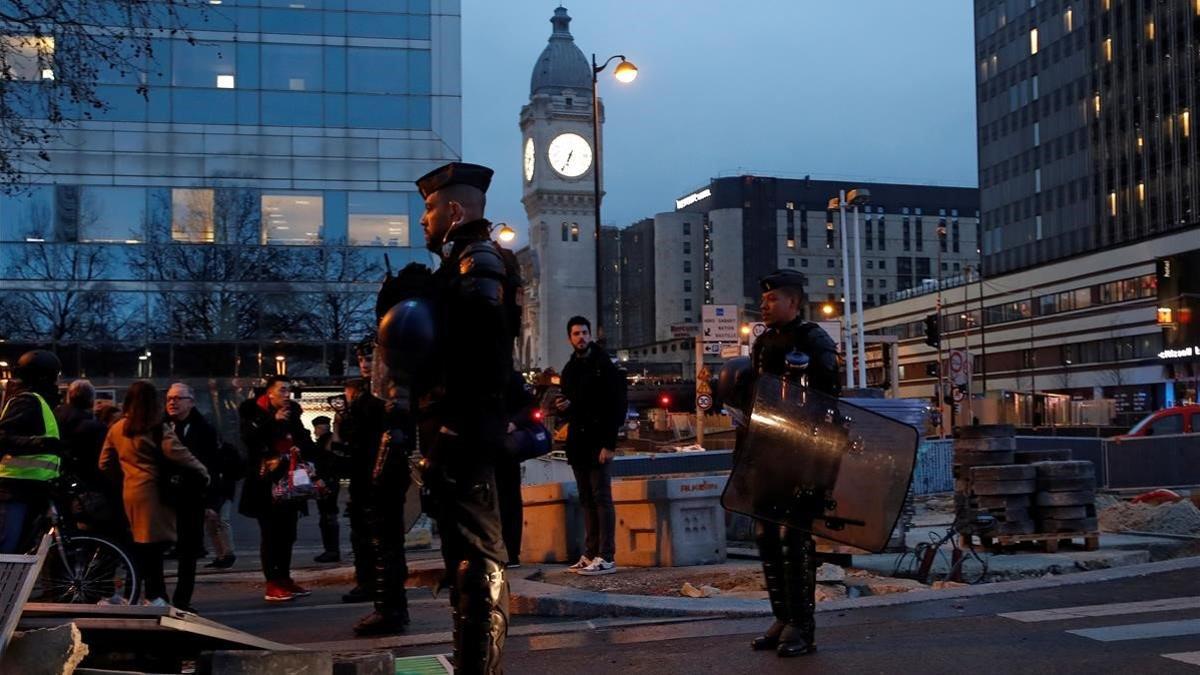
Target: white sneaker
599	566
584	561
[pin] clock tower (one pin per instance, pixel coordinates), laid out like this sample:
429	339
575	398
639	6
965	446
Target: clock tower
558	157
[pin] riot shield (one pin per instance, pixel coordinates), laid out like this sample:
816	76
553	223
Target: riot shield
811	461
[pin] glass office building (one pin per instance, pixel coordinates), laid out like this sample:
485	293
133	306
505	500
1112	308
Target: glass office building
234	220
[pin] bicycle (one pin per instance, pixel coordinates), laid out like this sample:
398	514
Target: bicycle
82	568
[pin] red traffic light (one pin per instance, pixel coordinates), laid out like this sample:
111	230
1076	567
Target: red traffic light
664	400
537	415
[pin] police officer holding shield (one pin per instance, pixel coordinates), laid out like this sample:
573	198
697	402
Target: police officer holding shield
791	348
460	392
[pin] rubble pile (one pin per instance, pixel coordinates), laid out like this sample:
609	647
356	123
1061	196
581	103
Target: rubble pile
1181	517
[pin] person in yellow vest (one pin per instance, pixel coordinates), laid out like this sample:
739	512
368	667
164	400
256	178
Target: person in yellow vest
30	449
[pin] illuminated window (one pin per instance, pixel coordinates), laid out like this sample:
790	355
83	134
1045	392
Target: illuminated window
1108	49
830	282
378	219
1141	192
1069	19
1096	104
292	218
1033	41
1112	203
29	58
225	82
192	215
1150	29
1185	123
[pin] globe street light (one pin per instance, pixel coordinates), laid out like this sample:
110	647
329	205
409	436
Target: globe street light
625	72
506	234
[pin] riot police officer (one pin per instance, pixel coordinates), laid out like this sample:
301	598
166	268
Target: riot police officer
460	391
788	554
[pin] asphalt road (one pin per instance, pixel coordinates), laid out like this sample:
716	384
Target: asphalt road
949	636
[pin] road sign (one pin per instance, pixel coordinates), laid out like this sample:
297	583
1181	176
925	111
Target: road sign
731	350
704	401
959	394
720	323
960	366
712	347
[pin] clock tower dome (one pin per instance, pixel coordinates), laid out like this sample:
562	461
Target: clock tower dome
558	157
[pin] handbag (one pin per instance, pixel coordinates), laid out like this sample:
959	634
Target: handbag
176	484
299	482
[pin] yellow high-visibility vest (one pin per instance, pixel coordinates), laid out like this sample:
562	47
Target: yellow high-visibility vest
33	467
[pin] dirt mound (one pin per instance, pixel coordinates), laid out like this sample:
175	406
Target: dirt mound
1179	518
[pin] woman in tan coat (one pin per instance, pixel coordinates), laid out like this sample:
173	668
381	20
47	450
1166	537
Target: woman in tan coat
132	454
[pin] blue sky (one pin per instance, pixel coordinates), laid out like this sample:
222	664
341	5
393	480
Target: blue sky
871	89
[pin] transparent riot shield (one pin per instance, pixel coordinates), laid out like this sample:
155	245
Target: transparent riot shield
811	461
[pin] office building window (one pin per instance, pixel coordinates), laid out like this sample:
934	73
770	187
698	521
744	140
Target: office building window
687	304
829	262
881	235
687	247
292	218
868	239
830	282
687	285
192	215
829	233
954	235
919	235
687	228
378	218
203	64
687	266
804	262
906	232
292	67
28	215
29	58
111	214
883	264
791	262
566	236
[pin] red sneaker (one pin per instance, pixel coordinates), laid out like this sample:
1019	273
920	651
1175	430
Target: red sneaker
295	588
277	592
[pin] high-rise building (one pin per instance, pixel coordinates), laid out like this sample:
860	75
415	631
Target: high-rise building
728	233
1085	135
234	220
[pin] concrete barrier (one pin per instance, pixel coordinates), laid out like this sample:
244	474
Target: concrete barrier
553	523
670	522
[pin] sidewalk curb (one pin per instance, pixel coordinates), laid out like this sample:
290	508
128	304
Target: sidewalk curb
420	573
535	597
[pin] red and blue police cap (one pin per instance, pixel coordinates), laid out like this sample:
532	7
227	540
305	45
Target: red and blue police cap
782	279
455	173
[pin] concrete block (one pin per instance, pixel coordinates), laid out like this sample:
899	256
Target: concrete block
47	651
670	522
553	523
374	663
264	663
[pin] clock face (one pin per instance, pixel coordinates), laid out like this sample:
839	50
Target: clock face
570	155
529	159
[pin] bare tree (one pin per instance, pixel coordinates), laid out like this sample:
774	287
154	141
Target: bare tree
53	54
69	302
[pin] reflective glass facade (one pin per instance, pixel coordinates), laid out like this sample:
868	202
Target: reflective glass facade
240	208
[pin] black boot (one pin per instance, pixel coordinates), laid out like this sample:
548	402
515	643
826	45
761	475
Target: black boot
357	594
482	616
800	580
770	549
382	621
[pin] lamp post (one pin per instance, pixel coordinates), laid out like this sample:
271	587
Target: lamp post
505	234
625	72
858	198
839	202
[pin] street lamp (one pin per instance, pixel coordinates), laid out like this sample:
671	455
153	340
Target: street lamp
506	234
624	72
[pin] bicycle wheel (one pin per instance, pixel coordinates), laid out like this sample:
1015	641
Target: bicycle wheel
86	570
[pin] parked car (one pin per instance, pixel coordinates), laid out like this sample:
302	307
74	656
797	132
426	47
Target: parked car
1184	419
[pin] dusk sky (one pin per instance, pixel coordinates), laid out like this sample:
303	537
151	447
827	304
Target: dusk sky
877	90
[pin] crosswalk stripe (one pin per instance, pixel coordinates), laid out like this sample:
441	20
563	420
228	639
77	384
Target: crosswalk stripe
1190	658
1111	609
1140	631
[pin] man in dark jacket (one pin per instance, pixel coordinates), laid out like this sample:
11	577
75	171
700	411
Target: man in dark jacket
29	447
460	388
270	426
360	428
328	467
82	434
788	554
593	402
201	440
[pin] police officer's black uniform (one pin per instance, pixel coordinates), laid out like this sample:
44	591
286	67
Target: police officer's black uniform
461	418
788	554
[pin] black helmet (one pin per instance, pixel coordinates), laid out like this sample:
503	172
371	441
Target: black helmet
37	366
734	382
406	334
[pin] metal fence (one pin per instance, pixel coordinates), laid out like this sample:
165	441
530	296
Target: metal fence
1134	463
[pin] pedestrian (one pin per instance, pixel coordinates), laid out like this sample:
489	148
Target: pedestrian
387	494
327	505
460	388
192	500
218	512
138	452
107	412
271	429
360	427
593	402
94	506
30	447
788	554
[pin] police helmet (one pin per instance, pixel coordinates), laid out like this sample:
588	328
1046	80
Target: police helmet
38	366
406	334
734	382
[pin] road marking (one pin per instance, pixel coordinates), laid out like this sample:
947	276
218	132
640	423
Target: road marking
1190	658
1111	609
1140	631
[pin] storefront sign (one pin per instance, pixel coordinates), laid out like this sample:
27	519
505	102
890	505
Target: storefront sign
1185	353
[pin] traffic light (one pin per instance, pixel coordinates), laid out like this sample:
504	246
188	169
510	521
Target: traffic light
933	332
931	369
664	400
